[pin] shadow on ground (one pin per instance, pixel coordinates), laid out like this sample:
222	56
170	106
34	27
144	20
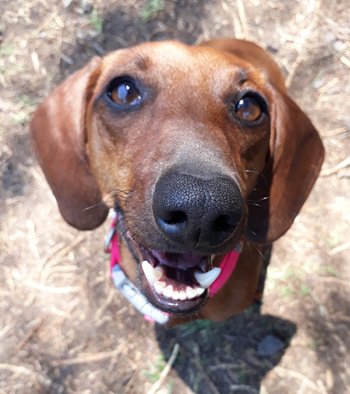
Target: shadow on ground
223	357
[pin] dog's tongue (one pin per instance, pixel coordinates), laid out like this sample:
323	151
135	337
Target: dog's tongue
182	261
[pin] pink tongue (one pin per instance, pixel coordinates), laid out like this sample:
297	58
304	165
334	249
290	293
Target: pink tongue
175	260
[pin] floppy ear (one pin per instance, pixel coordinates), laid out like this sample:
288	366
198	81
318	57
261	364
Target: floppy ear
58	136
296	158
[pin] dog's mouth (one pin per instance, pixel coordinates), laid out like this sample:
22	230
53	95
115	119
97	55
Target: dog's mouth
177	283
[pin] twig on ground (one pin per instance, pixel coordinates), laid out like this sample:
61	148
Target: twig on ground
165	371
339	248
243	387
243	18
345	61
52	290
335	280
16	369
237	27
206	377
298	375
57	255
86	358
337	168
30	334
293	69
334	132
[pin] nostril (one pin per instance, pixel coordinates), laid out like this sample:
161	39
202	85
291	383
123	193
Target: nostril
176	218
225	223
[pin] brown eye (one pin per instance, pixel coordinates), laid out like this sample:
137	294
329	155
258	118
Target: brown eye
125	93
248	109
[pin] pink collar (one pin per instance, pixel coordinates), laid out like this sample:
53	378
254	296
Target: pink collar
227	265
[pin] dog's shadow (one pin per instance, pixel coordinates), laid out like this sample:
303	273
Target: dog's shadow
232	356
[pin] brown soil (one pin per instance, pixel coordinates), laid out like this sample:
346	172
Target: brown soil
63	327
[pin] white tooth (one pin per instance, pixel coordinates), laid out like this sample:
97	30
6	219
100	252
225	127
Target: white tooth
190	293
182	295
159	286
199	291
176	295
168	291
152	274
206	279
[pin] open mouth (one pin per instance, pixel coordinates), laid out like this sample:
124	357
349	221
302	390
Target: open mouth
177	283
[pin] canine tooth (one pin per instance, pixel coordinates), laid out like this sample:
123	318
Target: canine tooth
152	274
159	286
182	295
207	278
190	293
168	291
199	291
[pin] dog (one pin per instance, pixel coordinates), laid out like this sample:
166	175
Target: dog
201	151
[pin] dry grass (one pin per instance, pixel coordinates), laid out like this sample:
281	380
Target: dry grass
63	327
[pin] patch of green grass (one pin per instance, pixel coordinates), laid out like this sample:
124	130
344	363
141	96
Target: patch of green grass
19	117
313	345
331	270
242	377
334	241
286	291
304	290
96	21
171	386
292	273
255	308
197	325
151	9
155	370
6	50
26	101
196	382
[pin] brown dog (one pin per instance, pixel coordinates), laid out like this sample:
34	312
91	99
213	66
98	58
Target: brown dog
198	147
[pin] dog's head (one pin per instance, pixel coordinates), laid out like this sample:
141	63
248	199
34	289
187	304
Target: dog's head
198	147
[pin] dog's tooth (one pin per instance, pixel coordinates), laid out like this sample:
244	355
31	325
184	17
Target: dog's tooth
152	274
199	291
190	293
159	286
182	295
207	278
168	291
176	295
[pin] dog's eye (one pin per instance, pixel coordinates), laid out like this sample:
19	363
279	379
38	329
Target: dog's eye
249	109
125	93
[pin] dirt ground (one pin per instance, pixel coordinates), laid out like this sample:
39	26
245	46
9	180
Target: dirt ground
63	326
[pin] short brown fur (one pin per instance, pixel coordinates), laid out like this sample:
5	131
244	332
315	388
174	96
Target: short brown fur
93	157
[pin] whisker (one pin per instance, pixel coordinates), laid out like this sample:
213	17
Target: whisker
258	173
93	206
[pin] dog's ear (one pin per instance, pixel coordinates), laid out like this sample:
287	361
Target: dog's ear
58	136
296	156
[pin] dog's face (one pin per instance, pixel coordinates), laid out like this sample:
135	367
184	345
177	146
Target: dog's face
179	149
199	148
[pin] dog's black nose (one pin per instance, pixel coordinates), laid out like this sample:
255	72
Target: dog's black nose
195	211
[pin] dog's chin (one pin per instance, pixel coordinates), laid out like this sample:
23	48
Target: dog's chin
176	283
